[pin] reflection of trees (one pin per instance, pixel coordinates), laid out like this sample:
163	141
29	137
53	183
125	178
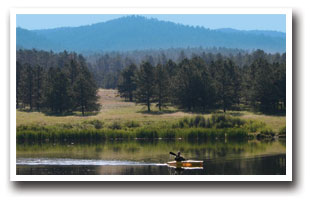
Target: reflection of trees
153	150
271	165
175	171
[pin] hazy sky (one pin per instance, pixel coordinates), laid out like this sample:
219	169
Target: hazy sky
242	22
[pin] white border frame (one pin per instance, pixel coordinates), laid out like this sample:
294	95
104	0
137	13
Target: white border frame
158	10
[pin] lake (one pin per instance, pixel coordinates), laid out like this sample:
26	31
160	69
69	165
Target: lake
149	157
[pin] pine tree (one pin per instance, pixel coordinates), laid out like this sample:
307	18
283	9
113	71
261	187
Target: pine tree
19	71
264	87
161	86
171	67
38	86
126	83
57	92
145	81
184	85
27	85
225	77
205	86
85	92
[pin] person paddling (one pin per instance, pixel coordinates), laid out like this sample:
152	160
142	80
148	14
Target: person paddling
178	157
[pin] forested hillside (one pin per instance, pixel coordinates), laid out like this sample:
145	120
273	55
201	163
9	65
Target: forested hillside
201	84
55	83
140	33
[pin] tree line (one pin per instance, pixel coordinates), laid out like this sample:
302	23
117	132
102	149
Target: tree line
106	66
192	78
197	84
66	86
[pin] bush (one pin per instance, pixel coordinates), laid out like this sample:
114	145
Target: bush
216	121
96	123
282	130
225	121
254	126
198	121
183	123
132	124
115	125
147	133
236	133
267	132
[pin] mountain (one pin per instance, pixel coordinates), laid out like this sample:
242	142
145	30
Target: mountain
257	32
138	33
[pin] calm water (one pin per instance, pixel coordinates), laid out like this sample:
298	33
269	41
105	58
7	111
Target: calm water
146	157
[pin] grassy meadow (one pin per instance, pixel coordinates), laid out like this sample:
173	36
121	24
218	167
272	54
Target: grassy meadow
121	118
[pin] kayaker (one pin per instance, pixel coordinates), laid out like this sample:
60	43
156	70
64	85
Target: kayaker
179	158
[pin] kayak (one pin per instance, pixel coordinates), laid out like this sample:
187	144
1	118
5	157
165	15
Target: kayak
187	163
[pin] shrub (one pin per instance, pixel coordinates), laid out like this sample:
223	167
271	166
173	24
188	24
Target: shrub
282	130
254	126
216	121
198	121
147	133
267	132
236	133
115	125
225	121
96	123
183	123
132	124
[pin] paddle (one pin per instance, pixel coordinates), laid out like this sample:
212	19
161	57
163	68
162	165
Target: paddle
172	153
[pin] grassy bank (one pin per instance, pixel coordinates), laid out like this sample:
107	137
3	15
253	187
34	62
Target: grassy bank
217	127
115	109
98	135
125	120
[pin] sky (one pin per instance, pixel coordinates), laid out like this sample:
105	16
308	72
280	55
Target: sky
274	22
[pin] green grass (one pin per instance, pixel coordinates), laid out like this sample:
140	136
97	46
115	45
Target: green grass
42	134
119	119
216	127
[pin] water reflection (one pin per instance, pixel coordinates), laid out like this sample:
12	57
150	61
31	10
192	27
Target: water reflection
145	157
267	165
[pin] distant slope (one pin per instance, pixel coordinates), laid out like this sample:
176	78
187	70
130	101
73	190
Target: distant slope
137	33
29	39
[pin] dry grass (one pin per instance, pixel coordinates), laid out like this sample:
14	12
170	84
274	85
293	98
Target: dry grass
115	109
274	122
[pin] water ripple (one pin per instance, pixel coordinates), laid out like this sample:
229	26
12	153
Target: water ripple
69	161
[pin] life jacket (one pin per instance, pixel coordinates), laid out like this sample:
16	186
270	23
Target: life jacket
179	158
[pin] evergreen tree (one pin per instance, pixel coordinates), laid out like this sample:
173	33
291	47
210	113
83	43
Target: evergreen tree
281	84
265	91
27	85
19	71
57	92
145	85
225	77
186	85
126	83
38	86
161	86
171	68
193	86
85	92
205	84
73	70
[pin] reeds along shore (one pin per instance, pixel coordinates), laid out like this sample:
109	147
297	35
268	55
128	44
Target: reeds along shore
217	127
